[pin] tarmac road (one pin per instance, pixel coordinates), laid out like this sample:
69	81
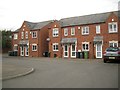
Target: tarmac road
64	73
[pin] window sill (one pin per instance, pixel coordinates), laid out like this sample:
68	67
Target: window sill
34	37
55	36
113	32
34	50
85	34
55	50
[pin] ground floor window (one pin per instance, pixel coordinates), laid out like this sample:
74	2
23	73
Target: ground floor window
55	46
15	47
34	47
85	46
113	43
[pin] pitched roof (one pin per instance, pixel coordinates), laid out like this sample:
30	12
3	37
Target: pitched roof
38	25
87	19
34	26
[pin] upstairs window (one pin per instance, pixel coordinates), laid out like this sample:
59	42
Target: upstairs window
85	30
112	27
26	34
85	46
55	32
34	34
65	31
15	36
55	46
22	35
73	31
98	29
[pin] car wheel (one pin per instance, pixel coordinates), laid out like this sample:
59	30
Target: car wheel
105	60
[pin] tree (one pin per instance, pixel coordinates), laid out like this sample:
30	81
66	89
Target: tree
6	40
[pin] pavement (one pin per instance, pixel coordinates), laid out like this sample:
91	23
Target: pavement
10	71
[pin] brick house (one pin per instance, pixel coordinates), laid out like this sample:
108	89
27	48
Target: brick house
30	39
90	33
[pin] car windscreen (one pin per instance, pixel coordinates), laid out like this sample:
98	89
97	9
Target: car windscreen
112	49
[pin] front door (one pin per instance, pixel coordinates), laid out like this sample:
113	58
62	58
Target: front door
98	50
73	51
26	51
22	51
65	51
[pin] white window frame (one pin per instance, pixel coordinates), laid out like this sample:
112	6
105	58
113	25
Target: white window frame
112	29
97	29
55	45
73	51
65	31
66	51
55	32
86	43
34	34
113	43
73	31
15	47
15	36
22	35
85	30
26	34
33	49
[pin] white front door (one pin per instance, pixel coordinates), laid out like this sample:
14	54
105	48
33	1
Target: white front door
98	50
73	51
66	51
22	51
26	51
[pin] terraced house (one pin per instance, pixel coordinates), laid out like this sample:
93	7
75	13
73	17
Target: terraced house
30	39
70	37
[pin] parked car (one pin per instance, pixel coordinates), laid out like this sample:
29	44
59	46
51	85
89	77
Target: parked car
111	54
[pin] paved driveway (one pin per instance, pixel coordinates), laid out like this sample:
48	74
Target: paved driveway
64	73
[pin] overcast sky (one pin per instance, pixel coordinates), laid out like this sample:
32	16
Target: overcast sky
14	12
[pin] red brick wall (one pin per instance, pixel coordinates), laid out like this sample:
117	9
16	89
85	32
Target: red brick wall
92	33
43	43
55	40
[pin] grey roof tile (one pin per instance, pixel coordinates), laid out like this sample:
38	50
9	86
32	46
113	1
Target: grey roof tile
39	25
87	19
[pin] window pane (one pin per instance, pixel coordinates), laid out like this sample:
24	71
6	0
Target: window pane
111	44
66	54
56	47
73	47
73	53
115	27
86	46
115	44
65	48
